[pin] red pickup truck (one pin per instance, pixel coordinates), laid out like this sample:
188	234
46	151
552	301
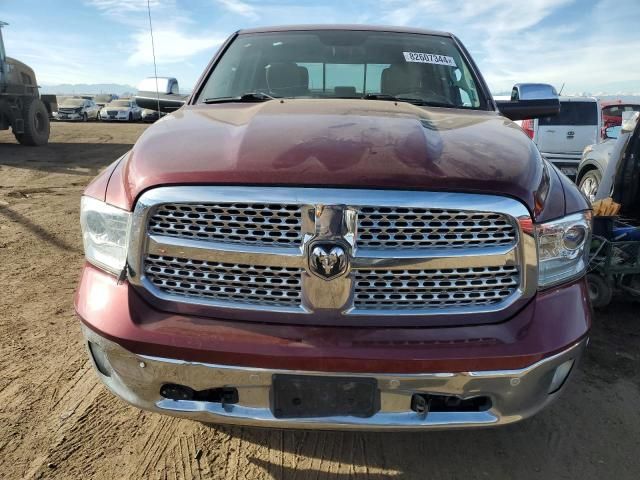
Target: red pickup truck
340	229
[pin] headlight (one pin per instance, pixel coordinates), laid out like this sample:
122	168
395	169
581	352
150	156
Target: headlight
587	150
563	248
105	234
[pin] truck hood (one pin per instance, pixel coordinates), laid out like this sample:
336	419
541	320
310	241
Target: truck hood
338	143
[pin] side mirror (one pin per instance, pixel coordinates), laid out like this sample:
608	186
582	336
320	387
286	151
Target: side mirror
612	132
530	100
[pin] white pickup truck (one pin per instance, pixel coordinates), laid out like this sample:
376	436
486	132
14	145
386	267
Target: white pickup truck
561	139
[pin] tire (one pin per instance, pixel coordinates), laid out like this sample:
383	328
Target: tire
85	117
600	291
36	124
130	117
589	183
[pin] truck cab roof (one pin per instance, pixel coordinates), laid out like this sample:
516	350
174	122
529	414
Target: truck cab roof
352	27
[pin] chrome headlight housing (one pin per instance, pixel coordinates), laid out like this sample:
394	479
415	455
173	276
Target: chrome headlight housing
563	248
105	234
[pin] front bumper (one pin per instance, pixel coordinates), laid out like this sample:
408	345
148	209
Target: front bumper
114	119
511	362
66	117
514	394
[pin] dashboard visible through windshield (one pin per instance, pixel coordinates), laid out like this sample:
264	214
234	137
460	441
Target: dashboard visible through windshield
416	68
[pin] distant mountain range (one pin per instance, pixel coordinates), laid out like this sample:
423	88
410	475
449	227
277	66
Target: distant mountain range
88	89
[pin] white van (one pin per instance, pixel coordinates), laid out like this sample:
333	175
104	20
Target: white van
562	138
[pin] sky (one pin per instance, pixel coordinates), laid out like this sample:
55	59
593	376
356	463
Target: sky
591	46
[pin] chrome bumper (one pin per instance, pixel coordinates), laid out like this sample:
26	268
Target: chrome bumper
514	394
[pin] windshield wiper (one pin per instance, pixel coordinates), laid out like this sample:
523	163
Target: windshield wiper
249	97
380	96
415	101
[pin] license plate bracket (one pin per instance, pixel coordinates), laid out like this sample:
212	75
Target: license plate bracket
307	396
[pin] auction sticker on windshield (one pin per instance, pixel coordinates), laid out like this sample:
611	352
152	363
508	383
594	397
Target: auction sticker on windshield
429	58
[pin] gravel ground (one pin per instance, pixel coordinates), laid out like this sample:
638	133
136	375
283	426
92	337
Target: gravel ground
57	421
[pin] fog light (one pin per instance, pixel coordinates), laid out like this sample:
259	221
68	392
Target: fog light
560	375
102	364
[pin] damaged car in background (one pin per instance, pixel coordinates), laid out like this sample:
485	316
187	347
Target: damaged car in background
78	109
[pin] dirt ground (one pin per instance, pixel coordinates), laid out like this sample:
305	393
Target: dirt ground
57	421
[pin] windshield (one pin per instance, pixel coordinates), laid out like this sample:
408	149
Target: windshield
119	103
72	102
344	64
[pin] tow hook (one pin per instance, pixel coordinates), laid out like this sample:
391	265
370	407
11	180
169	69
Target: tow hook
420	404
223	395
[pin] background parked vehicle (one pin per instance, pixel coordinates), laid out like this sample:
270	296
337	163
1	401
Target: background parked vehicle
615	248
151	116
596	157
21	107
612	114
79	109
561	139
122	110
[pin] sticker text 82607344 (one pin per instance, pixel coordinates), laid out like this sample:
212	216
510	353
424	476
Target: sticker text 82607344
429	58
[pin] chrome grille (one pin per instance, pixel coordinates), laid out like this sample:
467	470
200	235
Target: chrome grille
223	282
415	228
243	223
412	257
421	289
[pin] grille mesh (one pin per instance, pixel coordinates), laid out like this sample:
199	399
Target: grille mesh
409	228
245	223
420	289
238	284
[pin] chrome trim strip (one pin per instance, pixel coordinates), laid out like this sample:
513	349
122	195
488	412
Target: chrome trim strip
434	259
383	377
225	253
335	196
331	215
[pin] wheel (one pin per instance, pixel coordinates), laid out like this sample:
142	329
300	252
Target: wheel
98	116
85	117
600	291
36	124
589	183
130	117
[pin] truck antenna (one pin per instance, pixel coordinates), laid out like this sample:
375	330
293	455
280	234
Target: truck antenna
561	88
153	52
